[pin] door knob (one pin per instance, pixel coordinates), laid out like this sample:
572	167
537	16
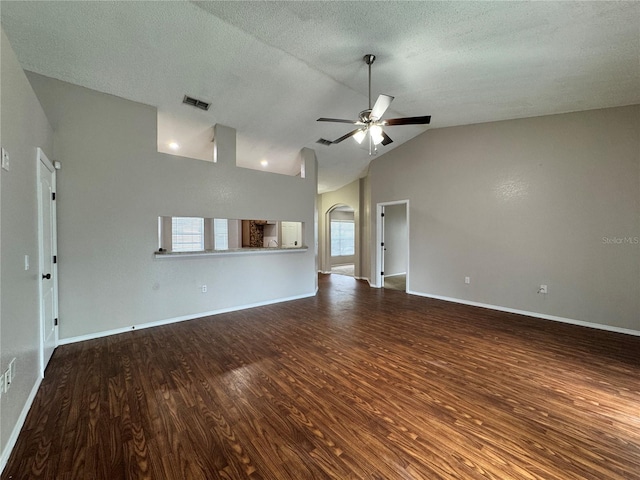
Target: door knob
47	276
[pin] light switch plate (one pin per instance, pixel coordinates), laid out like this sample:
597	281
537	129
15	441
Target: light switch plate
5	160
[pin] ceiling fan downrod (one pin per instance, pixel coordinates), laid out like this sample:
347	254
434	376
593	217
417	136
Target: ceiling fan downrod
369	58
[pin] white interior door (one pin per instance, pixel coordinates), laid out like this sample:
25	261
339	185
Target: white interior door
48	273
383	248
291	234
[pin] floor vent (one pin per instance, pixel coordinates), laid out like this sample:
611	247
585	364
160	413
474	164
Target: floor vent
324	141
194	102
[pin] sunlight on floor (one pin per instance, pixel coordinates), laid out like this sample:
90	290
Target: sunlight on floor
348	270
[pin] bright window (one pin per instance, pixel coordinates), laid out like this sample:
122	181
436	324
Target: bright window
187	234
343	238
221	233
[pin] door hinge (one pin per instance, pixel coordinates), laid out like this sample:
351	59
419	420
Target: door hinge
381	273
53	195
382	244
55	259
382	214
55	322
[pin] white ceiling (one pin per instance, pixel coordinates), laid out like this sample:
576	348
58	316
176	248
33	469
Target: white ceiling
270	69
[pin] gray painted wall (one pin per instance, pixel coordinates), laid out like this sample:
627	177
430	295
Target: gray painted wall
24	128
113	186
521	203
366	243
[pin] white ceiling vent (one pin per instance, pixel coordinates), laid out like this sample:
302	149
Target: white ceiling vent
194	102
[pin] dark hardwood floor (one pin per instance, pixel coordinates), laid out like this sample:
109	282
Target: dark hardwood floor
356	383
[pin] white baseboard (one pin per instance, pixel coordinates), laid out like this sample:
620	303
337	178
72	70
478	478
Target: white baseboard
11	442
106	333
544	316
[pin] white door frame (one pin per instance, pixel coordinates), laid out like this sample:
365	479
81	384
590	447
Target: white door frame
44	162
379	280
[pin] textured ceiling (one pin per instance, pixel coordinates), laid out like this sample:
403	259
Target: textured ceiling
271	68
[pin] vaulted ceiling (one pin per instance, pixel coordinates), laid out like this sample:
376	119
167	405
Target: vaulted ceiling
270	69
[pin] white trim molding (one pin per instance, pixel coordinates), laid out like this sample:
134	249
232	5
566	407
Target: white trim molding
13	438
544	316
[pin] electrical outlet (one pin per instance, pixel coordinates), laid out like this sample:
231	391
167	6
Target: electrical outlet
467	280
204	289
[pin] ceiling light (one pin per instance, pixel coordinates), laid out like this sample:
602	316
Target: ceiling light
174	146
264	163
359	137
376	134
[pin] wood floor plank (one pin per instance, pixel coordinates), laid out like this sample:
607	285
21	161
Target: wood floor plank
355	383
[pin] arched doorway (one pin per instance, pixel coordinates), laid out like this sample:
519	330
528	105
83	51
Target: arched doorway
341	232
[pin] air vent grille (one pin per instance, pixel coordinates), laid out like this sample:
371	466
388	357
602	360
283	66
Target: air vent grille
324	141
194	102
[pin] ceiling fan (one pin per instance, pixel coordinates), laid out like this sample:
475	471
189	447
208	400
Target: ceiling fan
370	120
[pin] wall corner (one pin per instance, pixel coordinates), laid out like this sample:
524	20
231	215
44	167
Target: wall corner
224	145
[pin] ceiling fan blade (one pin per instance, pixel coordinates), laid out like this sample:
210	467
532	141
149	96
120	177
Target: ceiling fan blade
348	135
339	120
382	103
386	139
408	121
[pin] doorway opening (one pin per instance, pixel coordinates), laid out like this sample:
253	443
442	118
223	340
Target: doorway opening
342	240
392	258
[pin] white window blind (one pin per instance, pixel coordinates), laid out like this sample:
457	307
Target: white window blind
187	234
221	233
343	238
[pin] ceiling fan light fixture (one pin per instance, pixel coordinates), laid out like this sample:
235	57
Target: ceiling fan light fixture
376	134
370	120
359	136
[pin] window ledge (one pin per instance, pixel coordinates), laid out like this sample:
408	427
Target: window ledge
232	251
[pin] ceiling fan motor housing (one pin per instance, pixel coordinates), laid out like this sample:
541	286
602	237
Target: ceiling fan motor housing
365	116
